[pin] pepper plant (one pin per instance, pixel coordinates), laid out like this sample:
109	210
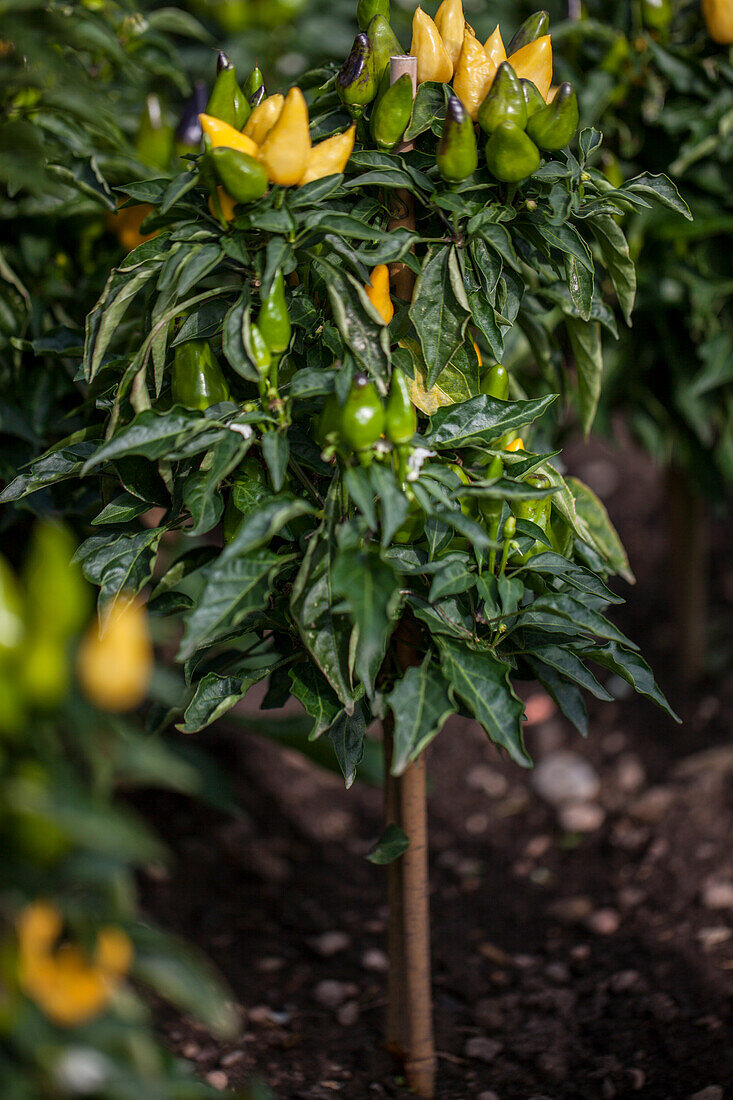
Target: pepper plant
312	390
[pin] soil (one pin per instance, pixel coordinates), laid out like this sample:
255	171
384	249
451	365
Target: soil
566	963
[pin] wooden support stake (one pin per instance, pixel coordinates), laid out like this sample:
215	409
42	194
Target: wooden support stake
409	1023
688	549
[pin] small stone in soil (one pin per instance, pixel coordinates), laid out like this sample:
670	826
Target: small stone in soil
712	937
604	922
624	980
330	993
264	1016
330	943
374	959
270	964
232	1058
581	817
487	780
483	1048
557	972
537	846
348	1014
217	1079
718	894
565	777
477	824
571	910
488	1096
712	1092
652	806
630	775
539	708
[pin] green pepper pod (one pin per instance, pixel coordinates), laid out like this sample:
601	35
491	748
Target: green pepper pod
328	430
367	10
532	97
356	82
226	101
656	15
384	45
457	155
533	27
392	111
197	380
555	125
242	177
273	320
535	510
362	416
254	81
259	351
510	155
504	102
257	96
400	420
490	508
188	131
495	383
154	141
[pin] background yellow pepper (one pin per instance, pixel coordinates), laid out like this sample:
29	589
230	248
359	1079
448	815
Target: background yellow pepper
329	156
433	60
377	291
534	62
474	74
264	117
286	148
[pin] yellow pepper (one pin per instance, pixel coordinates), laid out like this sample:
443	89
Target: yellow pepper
474	75
451	23
329	156
494	47
70	988
516	445
224	135
126	225
433	60
478	353
286	148
534	62
264	117
226	202
115	667
718	16
377	291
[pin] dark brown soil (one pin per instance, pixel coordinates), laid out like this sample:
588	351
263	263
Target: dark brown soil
566	964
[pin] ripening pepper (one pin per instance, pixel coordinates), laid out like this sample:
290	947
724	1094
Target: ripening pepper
356	81
377	291
400	422
362	415
451	23
656	15
433	60
273	320
154	141
221	134
196	379
384	45
457	155
391	113
495	382
189	132
555	125
510	155
264	117
534	62
718	15
243	178
254	81
474	74
367	10
535	510
222	205
227	101
534	27
504	102
285	150
494	47
114	667
329	157
532	97
516	444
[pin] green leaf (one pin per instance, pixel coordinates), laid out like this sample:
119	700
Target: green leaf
481	680
481	420
318	698
346	734
615	251
215	695
661	189
428	108
119	563
554	610
567	695
569	665
151	434
439	310
392	844
632	668
370	589
367	338
601	533
420	705
200	488
580	284
585	340
59	464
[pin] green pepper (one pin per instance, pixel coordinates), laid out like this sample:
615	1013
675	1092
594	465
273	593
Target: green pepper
495	382
362	416
457	156
400	418
510	155
259	351
188	131
328	429
242	177
254	81
154	141
273	320
490	508
504	102
392	111
534	27
384	45
356	81
11	613
226	101
555	125
367	10
656	15
532	97
57	598
535	510
197	380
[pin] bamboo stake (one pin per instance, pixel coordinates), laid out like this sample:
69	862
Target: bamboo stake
409	1023
688	543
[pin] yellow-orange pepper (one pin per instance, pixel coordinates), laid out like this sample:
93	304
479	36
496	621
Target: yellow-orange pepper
377	291
125	224
68	987
226	202
494	47
114	667
223	135
534	62
264	117
474	74
451	23
329	156
718	15
433	60
516	445
286	148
